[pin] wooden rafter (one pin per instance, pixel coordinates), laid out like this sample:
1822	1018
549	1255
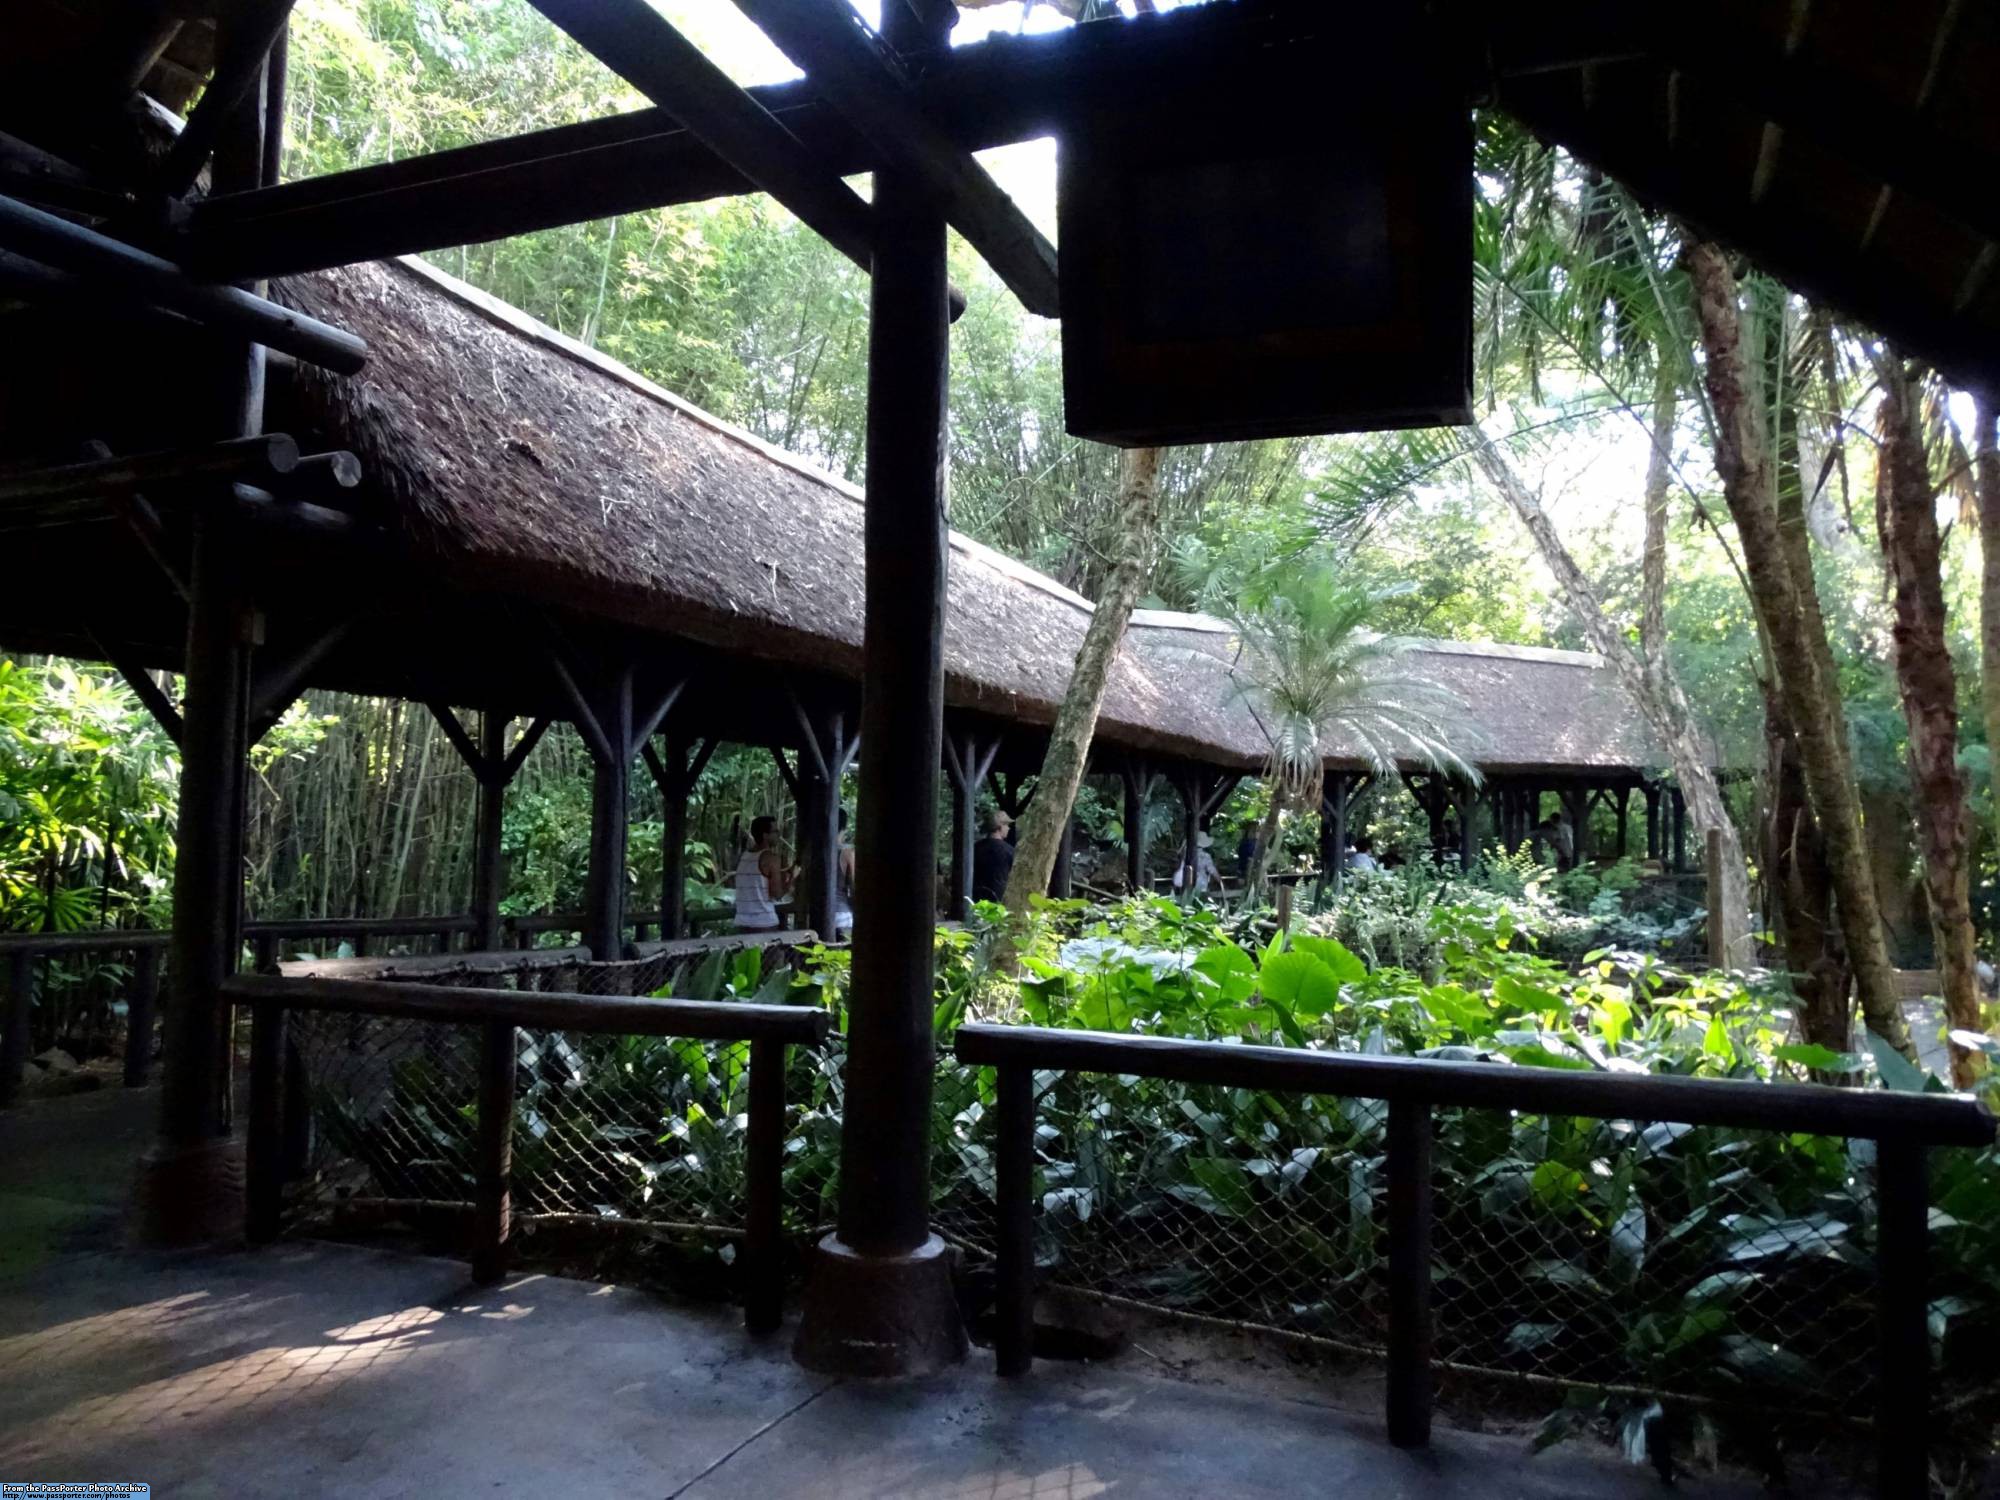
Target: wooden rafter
864	82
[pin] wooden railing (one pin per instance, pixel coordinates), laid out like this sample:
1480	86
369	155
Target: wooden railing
1904	1127
768	1029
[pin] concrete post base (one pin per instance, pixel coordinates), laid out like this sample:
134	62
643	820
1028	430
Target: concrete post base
188	1195
880	1314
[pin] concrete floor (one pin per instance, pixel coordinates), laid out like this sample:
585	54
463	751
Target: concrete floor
317	1369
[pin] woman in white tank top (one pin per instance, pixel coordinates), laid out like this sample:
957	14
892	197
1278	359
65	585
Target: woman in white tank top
760	880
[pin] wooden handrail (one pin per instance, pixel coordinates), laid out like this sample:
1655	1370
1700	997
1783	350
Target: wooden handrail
1904	1126
711	1020
276	1096
1808	1109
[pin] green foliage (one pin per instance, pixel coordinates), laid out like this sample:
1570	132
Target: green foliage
87	792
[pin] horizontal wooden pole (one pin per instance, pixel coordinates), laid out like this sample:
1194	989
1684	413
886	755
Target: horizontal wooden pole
994	93
1809	1109
714	1020
863	81
125	271
254	458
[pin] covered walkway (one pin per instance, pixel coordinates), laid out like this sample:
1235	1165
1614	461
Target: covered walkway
309	1369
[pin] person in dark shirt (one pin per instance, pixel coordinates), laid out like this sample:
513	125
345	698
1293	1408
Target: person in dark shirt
993	861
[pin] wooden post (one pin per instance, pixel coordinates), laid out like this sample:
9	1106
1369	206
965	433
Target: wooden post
208	872
880	1298
1059	877
1624	808
763	1269
1284	909
1677	810
488	861
265	1143
1718	946
1334	810
188	1189
1409	1168
958	755
494	1165
1191	794
1651	792
1902	1232
604	892
1137	782
1013	1196
16	1035
141	1010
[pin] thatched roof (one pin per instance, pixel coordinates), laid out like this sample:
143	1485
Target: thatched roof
514	459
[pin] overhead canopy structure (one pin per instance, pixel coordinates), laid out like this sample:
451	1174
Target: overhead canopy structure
1841	146
1848	147
508	466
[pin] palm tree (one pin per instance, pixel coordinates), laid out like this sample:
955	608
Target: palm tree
1317	679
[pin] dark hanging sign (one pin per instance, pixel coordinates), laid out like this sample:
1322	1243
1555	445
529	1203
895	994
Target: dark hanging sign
1285	254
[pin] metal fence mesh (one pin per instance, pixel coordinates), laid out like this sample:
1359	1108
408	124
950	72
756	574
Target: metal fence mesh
1724	1265
1653	1258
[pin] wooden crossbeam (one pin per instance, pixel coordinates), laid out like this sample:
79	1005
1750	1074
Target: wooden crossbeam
642	47
245	45
863	81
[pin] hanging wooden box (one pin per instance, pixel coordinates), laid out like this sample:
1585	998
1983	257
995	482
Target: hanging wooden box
1286	254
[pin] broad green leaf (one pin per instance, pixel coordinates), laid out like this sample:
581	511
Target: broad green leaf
1898	1072
1340	962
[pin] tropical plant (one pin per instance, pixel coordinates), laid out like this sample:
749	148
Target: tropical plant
1318	680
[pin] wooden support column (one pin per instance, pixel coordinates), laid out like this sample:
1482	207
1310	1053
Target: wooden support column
675	775
16	1022
1333	833
1624	802
1678	816
967	761
493	766
1576	803
880	1298
827	750
610	791
488	860
614	722
1651	791
1059	877
1191	788
1138	782
189	1188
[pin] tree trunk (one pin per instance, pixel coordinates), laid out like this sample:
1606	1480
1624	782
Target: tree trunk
1267	836
1656	692
1653	562
1906	504
1801	892
1986	473
1076	721
1787	607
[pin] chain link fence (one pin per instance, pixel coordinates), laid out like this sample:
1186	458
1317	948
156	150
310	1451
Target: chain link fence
1729	1266
1733	1268
611	1132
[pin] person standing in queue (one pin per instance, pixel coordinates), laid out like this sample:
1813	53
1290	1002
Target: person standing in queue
993	861
762	880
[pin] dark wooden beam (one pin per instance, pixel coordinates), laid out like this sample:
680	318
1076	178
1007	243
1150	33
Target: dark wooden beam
642	47
152	695
131	272
866	83
97	479
246	43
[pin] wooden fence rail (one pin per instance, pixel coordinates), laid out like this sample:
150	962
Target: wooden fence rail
768	1029
1904	1126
